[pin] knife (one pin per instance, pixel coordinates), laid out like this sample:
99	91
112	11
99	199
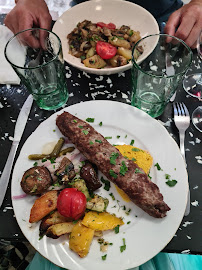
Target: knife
19	129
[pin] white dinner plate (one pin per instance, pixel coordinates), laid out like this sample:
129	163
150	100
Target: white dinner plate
115	11
144	236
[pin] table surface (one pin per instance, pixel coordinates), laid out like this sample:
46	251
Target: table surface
84	87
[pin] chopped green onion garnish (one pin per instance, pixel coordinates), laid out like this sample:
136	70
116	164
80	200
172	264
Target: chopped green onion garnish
123	168
116	229
99	141
171	183
106	182
85	132
113	158
158	167
112	173
90	120
138	170
122	248
132	142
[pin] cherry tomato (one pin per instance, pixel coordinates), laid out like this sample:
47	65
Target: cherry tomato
109	25
101	24
71	203
105	50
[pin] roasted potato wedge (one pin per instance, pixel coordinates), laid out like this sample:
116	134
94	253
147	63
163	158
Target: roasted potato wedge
117	61
43	206
80	239
94	62
50	220
57	230
101	221
125	53
115	41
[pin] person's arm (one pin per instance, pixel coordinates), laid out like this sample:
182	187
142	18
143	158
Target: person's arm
27	14
188	22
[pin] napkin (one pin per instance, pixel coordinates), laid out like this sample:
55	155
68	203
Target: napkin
7	74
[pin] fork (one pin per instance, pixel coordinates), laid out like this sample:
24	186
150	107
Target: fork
182	122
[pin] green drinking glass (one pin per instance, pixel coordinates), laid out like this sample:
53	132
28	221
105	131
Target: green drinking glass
40	66
159	71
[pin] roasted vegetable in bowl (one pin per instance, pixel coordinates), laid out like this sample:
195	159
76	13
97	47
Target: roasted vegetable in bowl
100	44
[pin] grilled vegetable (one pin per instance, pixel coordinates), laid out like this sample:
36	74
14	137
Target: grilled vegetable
43	206
115	41
90	52
89	174
107	25
71	203
80	239
52	219
57	230
97	203
101	221
94	62
117	61
36	180
81	186
105	50
66	171
125	53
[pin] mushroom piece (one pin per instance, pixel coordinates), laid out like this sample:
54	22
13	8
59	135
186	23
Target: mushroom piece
107	32
36	180
89	174
66	171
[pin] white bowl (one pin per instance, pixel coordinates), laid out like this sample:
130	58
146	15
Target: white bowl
115	11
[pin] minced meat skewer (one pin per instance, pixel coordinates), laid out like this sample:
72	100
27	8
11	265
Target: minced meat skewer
121	171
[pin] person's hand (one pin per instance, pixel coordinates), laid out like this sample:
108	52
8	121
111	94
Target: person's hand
28	14
188	22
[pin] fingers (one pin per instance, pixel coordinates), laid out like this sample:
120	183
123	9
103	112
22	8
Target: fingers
10	22
172	24
44	22
27	37
188	30
28	14
186	24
